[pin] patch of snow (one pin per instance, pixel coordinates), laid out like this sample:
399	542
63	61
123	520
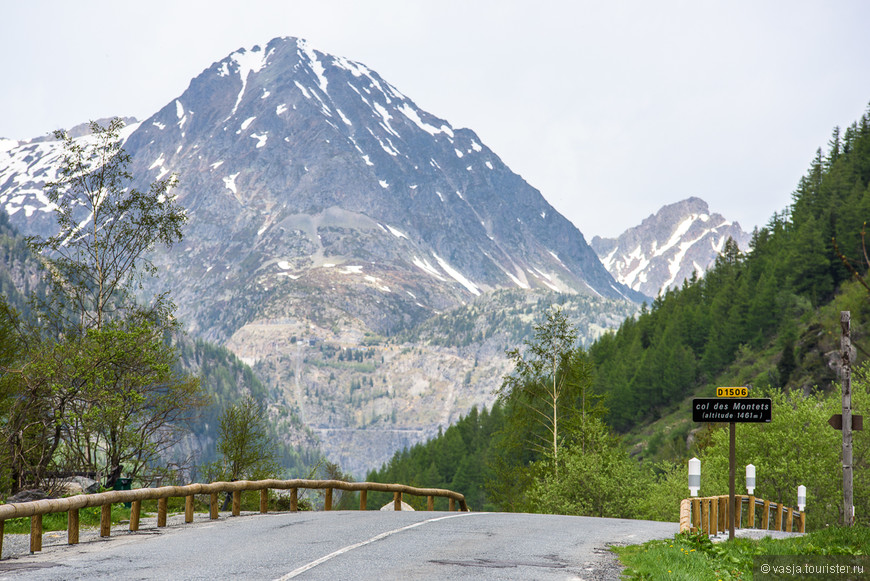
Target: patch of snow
303	89
343	117
384	184
440	196
476	146
216	164
352	270
458	153
282	108
411	114
248	61
158	125
395	232
457	276
385	115
426	267
247	123
265	94
230	182
316	65
261	139
157	162
388	148
489	165
556	256
367	160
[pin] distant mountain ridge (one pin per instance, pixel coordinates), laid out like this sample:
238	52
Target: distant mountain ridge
668	246
327	213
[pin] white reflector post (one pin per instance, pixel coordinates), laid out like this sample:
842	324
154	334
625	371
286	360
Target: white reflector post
750	478
802	497
694	476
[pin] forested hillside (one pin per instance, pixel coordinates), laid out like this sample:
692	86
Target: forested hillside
767	318
224	378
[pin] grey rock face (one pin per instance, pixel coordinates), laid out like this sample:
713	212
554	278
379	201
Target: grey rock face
326	206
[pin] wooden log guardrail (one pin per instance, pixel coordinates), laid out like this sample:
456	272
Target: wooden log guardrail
710	515
71	505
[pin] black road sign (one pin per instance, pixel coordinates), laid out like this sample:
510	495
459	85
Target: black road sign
720	409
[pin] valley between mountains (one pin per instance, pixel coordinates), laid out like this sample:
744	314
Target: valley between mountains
369	261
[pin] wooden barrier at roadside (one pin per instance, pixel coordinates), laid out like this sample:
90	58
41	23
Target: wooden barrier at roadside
710	515
71	505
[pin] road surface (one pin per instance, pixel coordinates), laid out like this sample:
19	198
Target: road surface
331	546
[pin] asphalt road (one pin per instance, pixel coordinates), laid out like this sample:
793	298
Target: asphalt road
331	546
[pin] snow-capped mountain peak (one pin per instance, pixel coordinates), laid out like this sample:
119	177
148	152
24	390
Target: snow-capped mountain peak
667	247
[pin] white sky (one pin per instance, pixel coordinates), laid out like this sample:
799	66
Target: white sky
611	109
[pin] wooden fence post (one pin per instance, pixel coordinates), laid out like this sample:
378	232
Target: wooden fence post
397	501
750	515
72	526
264	500
451	504
802	529
294	499
135	511
723	513
237	502
2	527
714	517
213	511
778	521
363	494
739	508
765	515
105	520
36	533
430	502
188	509
685	515
789	519
696	515
327	501
161	512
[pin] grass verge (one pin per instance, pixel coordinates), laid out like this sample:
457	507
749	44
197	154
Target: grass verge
694	557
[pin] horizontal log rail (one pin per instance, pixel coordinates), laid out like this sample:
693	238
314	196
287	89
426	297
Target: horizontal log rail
710	515
71	505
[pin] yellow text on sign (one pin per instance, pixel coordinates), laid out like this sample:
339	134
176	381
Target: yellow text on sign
732	392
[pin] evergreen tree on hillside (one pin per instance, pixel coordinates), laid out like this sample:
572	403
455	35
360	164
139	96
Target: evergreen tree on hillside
692	334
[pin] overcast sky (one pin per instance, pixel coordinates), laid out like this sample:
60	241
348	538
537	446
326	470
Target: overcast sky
610	109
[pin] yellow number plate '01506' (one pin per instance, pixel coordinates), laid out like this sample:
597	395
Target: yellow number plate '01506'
732	392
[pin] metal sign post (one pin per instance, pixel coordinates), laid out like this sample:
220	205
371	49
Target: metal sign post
732	410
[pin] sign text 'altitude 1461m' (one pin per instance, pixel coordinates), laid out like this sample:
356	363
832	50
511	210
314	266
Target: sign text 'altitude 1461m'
731	410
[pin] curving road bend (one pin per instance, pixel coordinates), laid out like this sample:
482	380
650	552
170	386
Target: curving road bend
331	546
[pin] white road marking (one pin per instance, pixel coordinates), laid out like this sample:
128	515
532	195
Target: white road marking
313	564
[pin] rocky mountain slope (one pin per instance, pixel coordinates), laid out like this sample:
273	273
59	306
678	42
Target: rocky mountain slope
667	247
328	215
